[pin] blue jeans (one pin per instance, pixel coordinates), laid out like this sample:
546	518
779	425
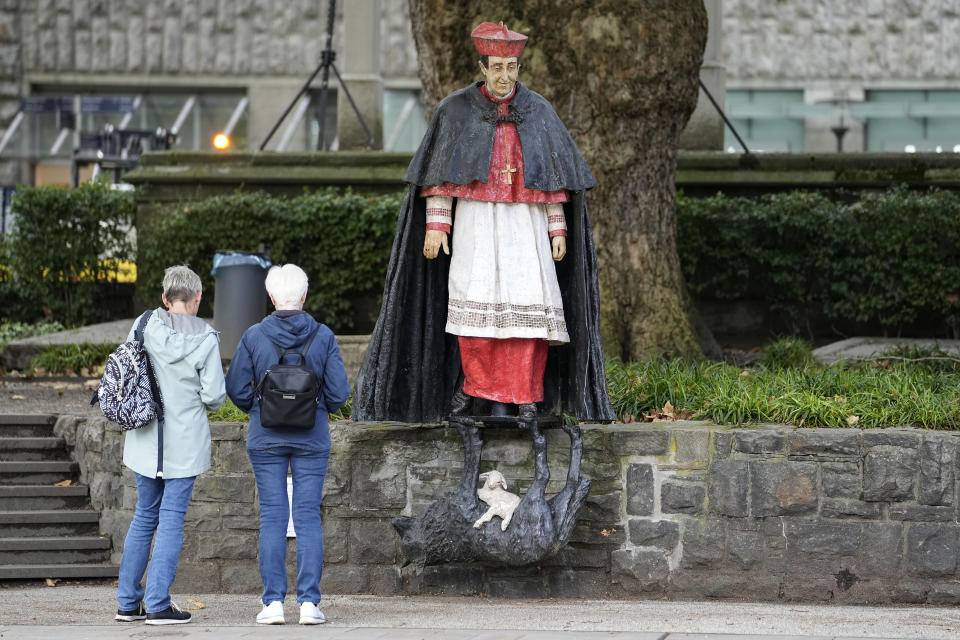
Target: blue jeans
309	469
161	507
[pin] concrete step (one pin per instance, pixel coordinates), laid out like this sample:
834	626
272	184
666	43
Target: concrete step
27	425
42	497
23	448
37	472
27	571
58	550
49	523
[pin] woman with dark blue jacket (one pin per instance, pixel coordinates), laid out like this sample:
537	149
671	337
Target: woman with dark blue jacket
275	450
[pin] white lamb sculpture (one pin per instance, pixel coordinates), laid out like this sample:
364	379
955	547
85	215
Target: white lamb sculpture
494	493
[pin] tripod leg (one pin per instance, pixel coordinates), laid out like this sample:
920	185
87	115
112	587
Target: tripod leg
373	143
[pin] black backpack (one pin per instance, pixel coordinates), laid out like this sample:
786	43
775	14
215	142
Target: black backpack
288	393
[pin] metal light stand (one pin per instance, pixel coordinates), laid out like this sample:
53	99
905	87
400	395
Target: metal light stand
327	62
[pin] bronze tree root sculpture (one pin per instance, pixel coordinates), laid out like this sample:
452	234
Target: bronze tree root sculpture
540	527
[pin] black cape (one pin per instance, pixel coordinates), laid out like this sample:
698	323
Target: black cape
412	365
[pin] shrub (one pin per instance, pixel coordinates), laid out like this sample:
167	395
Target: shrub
890	258
72	358
64	244
787	353
341	239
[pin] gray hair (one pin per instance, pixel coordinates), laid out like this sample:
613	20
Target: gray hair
180	283
286	285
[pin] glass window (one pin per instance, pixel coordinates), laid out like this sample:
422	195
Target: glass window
911	120
403	123
763	120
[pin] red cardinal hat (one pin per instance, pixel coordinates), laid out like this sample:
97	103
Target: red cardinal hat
496	40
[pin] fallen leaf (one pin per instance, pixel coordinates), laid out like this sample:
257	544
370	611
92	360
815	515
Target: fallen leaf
667	409
63	483
17	397
52	582
605	533
745	373
196	604
852	420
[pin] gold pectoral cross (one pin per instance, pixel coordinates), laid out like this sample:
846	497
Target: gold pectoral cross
509	171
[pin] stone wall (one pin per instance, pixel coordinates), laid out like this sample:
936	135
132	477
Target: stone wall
676	509
805	41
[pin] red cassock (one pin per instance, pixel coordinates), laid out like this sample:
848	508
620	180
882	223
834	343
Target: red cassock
506	370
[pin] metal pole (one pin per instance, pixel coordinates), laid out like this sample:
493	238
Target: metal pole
724	116
327	58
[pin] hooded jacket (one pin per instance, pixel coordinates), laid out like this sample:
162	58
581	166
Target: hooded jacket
185	352
256	353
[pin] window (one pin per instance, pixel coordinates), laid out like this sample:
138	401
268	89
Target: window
403	123
910	120
764	120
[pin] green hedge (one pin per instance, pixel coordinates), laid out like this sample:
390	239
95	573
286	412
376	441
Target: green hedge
891	258
65	246
341	239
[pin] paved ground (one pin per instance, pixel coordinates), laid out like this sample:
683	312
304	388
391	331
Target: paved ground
862	348
40	612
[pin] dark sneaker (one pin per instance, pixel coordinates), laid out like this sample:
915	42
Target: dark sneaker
131	615
170	615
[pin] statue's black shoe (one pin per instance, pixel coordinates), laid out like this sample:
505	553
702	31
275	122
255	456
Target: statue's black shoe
528	412
500	410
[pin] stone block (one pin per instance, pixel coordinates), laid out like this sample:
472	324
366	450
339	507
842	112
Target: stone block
682	497
345	579
228	431
604	507
947	593
571	583
664	534
224	487
198	577
518	586
581	557
640	489
703	543
513	452
239	515
379	482
841	508
841	479
824	443
908	592
372	541
447	579
722	444
598	533
840	539
230	456
638	440
692	446
936	470
932	549
234	545
881	549
335	534
240	577
888	474
921	513
383	580
744	549
729	488
782	488
202	517
904	438
639	569
760	441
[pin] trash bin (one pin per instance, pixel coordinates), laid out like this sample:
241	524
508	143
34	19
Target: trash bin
240	299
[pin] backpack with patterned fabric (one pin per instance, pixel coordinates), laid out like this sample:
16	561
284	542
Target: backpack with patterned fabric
128	392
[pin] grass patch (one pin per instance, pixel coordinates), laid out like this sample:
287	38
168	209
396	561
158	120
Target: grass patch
227	413
16	330
880	393
72	359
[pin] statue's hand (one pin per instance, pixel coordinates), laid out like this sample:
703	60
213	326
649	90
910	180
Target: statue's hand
559	247
432	243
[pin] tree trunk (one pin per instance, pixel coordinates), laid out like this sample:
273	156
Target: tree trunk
623	77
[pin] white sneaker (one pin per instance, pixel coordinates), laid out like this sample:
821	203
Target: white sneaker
271	614
310	614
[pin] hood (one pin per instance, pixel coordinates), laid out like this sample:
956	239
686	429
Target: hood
171	337
288	329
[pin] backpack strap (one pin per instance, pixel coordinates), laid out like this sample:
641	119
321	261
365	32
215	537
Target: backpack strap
138	332
303	352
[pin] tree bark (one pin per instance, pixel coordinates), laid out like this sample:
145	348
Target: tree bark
623	77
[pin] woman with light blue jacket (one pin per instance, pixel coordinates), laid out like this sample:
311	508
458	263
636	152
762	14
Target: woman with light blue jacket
185	352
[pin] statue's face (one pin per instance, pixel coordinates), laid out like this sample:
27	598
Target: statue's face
500	75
